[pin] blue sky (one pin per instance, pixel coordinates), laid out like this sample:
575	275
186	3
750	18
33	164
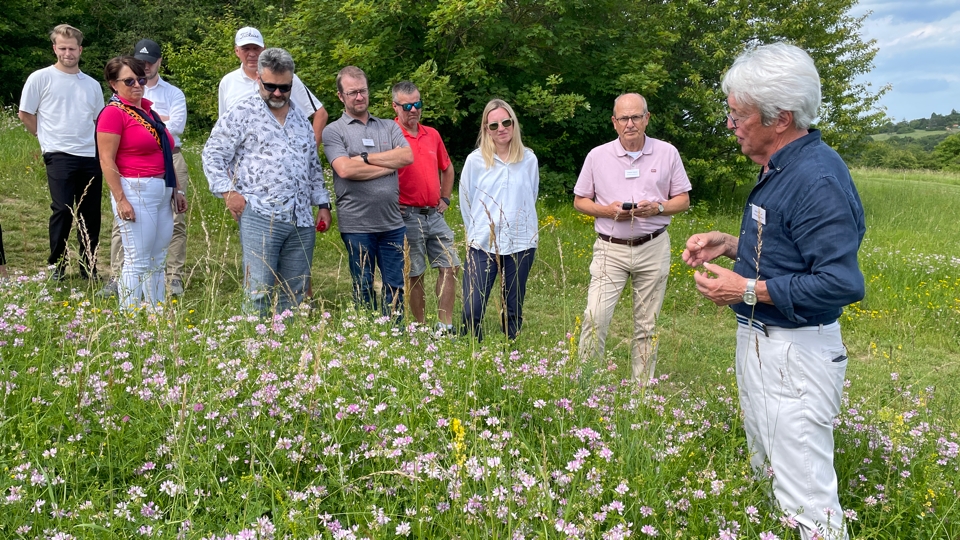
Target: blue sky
919	42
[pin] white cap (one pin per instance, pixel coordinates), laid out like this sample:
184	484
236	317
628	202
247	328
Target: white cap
248	36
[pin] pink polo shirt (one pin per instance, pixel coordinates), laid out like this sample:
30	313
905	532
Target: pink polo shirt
609	174
420	181
139	155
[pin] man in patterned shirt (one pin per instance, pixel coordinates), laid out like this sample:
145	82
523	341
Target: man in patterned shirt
261	158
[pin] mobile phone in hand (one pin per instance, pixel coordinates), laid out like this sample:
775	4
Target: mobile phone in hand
629	206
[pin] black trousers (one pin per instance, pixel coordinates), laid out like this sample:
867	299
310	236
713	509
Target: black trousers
74	181
3	256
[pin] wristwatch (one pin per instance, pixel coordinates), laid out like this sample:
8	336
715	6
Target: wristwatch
363	155
750	295
659	208
445	200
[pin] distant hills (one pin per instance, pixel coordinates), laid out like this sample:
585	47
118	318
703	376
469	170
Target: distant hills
936	122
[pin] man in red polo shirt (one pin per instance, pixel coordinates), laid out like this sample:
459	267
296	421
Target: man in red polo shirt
424	197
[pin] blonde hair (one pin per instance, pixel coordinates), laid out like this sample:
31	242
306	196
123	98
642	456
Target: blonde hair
485	143
66	32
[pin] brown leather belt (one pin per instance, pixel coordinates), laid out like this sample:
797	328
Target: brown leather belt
638	241
176	150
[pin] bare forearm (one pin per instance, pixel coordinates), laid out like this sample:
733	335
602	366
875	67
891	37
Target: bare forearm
446	182
29	122
111	176
357	170
392	159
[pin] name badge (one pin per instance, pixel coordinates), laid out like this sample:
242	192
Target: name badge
631	173
759	214
367	142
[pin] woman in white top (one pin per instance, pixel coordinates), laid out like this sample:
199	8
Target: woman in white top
498	196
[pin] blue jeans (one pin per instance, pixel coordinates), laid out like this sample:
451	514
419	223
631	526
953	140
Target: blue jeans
481	271
274	254
383	250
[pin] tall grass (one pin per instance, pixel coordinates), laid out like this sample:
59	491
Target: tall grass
199	423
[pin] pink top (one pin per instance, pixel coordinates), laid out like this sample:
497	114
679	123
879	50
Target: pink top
139	155
609	174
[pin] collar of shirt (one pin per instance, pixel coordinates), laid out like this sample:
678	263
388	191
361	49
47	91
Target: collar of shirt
789	153
621	151
349	119
145	103
407	133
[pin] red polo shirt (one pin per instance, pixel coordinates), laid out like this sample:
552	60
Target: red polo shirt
420	181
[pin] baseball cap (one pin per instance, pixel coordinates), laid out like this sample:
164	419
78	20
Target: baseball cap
247	36
147	50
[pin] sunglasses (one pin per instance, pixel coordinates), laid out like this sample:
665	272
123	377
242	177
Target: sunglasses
493	126
407	106
142	81
270	87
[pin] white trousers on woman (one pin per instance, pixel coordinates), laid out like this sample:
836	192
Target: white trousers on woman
145	240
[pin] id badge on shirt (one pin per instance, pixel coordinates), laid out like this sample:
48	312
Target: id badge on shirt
367	142
631	173
759	214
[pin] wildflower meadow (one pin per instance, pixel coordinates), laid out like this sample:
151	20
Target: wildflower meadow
194	421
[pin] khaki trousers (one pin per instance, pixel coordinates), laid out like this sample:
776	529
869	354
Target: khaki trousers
177	252
647	266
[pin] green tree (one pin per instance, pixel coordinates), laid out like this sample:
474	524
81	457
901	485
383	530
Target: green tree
948	153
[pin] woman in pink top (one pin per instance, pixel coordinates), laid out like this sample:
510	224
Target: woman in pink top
136	157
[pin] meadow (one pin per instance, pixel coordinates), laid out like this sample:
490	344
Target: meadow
199	422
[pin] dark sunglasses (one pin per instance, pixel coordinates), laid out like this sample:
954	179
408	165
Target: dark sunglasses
493	126
407	106
142	81
270	87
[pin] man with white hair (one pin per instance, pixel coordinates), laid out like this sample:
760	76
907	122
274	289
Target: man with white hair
242	83
795	269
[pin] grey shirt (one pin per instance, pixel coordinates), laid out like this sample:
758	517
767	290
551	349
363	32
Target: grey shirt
365	206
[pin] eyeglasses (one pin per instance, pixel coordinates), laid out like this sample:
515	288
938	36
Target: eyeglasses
270	87
407	106
735	122
355	93
142	81
493	126
636	119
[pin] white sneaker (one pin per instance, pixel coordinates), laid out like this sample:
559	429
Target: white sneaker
109	289
176	287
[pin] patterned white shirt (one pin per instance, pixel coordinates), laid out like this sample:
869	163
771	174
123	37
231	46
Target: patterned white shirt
275	167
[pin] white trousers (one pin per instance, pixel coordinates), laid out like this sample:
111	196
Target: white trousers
145	240
790	386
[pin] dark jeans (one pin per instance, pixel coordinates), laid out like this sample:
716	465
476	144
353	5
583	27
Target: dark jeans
74	180
382	250
481	270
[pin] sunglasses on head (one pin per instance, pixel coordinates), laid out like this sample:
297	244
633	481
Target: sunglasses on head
506	122
407	106
142	81
270	87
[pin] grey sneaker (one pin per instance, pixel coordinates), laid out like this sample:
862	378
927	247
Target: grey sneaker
109	289
176	287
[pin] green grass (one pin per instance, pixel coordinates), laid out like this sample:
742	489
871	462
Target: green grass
917	134
304	420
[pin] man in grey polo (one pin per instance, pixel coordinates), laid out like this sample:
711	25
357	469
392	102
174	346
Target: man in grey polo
365	153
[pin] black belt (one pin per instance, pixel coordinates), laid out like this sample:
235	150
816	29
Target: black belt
638	241
424	210
176	150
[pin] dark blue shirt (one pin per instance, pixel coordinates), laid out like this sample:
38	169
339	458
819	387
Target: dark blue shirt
808	245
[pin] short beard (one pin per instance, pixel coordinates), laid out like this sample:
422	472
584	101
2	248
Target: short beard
276	103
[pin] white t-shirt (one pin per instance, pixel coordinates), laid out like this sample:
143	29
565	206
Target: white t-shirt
66	106
169	101
236	85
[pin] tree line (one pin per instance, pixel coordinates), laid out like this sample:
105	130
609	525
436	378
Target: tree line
560	63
